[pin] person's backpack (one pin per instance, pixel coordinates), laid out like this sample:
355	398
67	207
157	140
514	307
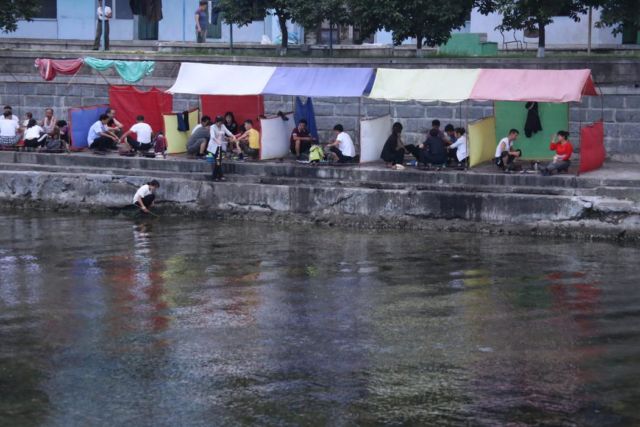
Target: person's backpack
315	154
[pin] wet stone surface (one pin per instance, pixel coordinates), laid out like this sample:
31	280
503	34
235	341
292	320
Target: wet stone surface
113	322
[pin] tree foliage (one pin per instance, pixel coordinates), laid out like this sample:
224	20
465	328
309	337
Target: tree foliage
12	11
618	13
243	12
533	15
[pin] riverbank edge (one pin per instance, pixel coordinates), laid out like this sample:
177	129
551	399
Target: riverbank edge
106	195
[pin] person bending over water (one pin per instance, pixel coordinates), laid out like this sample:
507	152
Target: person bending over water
145	195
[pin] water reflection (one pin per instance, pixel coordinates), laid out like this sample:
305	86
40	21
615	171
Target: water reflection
108	322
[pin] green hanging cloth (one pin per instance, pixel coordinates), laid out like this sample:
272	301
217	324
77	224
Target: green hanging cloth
130	71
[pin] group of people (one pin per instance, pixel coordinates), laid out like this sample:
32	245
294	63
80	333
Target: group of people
439	148
305	146
507	156
46	134
443	148
108	133
223	137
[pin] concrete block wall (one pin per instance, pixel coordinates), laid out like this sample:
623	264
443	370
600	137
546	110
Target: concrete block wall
621	112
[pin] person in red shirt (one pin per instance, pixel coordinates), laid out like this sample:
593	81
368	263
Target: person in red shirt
562	159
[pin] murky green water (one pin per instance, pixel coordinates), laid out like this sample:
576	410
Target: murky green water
106	322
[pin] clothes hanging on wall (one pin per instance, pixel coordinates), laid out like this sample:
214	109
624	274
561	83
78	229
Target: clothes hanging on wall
49	68
533	124
151	9
183	121
130	71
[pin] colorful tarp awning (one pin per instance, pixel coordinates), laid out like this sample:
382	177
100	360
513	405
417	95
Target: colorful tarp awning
533	85
314	82
211	79
446	85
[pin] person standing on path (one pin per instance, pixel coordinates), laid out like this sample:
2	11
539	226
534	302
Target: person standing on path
106	16
202	22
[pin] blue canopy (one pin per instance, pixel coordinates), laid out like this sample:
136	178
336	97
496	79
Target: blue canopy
320	82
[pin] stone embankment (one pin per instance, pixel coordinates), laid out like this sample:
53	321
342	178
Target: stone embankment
364	196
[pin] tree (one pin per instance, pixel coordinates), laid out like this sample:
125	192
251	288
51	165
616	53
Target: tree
430	22
311	14
12	11
244	12
533	15
618	14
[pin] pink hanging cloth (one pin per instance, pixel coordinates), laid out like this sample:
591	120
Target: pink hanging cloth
49	68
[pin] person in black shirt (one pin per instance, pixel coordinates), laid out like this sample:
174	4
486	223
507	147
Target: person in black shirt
393	150
300	140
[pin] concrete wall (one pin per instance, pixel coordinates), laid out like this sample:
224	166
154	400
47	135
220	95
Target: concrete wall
563	31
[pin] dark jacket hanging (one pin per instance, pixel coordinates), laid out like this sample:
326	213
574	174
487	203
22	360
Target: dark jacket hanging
533	124
151	9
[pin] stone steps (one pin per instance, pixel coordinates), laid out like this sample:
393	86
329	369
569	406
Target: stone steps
363	174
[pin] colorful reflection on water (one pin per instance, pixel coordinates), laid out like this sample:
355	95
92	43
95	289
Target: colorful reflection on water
111	322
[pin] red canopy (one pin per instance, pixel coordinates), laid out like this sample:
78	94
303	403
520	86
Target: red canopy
533	85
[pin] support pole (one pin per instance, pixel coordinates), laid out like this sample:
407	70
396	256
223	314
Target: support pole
358	129
102	23
231	37
330	38
590	30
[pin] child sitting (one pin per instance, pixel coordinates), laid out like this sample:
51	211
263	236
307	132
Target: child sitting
249	141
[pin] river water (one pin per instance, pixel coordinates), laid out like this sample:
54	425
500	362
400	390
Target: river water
197	323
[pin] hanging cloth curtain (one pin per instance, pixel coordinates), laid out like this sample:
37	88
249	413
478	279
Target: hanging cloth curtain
304	110
130	71
49	68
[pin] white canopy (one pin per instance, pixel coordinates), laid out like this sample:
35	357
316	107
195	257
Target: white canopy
212	79
428	85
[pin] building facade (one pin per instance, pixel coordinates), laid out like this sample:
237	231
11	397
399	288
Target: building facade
76	20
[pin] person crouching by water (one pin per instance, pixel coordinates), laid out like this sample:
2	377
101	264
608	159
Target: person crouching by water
393	150
562	159
216	142
145	195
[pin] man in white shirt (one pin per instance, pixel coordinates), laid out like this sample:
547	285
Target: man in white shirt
505	153
106	16
459	147
99	139
217	144
8	129
7	108
143	132
145	195
342	146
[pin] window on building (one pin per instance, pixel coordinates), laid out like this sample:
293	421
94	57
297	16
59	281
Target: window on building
120	9
48	10
123	10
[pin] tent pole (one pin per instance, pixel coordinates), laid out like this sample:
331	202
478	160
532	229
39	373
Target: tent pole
466	132
358	130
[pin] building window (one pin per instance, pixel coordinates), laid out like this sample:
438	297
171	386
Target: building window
48	10
120	9
123	10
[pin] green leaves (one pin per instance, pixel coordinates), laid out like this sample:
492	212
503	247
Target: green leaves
11	11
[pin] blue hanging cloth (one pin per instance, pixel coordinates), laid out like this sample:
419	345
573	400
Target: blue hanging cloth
305	111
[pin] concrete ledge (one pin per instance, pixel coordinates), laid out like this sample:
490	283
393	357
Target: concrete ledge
359	197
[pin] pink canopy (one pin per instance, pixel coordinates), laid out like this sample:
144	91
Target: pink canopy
533	85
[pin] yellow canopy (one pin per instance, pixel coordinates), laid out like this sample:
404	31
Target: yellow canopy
430	85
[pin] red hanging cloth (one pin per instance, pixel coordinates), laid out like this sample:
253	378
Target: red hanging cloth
49	68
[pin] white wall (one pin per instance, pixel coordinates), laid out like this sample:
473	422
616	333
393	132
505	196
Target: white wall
563	31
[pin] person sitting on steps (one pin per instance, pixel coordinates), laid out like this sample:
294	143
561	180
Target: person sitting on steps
394	149
562	159
197	143
506	155
342	146
143	131
301	140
